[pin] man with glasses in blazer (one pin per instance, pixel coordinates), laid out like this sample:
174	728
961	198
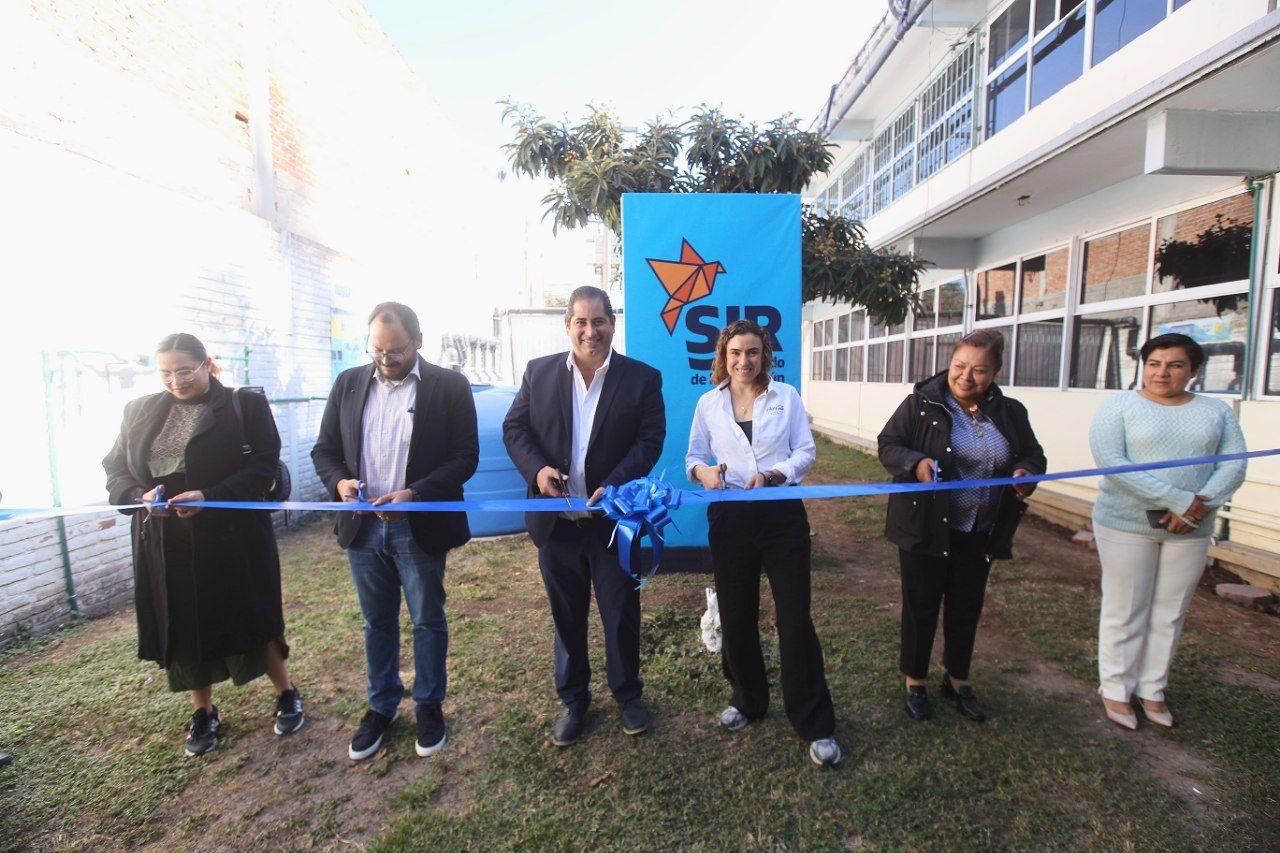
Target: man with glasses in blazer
400	429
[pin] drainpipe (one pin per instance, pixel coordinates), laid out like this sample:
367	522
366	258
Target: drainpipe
56	483
1255	280
906	21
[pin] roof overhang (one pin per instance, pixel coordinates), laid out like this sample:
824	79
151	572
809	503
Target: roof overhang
1112	147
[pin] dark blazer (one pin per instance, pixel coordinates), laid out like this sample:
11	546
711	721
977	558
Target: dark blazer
920	428
626	436
443	453
234	564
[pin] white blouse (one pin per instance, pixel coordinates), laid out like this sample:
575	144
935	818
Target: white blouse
780	436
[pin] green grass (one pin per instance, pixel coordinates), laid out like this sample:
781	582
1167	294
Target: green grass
97	735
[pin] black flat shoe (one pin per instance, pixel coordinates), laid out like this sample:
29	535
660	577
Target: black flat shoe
965	701
918	703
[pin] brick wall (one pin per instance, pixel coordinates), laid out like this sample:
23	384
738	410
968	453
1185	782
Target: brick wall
220	168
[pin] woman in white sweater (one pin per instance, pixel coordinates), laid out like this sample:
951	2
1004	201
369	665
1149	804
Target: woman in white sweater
750	432
1152	527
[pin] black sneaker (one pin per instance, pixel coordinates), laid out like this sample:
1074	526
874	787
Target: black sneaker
635	718
289	717
568	727
431	735
203	732
369	736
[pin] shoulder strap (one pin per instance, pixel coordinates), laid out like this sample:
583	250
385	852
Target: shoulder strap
245	447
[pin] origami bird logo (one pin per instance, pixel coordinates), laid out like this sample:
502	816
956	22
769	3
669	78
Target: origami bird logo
686	280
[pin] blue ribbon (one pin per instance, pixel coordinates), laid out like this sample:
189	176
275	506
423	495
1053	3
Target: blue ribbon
638	508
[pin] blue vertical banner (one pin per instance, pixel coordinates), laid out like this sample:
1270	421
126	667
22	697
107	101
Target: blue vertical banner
692	263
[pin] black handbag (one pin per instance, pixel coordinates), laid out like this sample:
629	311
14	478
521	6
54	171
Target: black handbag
282	485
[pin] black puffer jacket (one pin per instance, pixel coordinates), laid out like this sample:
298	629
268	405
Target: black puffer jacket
920	428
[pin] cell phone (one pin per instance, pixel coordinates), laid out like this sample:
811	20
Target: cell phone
1155	518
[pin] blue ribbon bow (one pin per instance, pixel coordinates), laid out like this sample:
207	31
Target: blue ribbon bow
639	507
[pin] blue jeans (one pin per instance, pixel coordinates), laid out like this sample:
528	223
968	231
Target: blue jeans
384	559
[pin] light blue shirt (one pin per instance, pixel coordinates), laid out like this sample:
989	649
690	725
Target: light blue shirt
1128	428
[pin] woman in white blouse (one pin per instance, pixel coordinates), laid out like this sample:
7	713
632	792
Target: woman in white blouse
750	432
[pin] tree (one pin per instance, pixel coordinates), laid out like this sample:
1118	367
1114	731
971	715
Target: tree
591	164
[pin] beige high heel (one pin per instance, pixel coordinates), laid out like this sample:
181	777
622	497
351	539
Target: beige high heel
1129	721
1160	718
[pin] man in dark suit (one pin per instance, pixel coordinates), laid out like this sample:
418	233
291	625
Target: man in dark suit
400	430
582	420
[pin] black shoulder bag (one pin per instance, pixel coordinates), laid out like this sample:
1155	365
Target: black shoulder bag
282	485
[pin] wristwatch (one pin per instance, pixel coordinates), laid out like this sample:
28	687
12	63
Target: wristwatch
773	478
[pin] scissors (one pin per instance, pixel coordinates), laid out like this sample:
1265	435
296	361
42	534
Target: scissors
563	483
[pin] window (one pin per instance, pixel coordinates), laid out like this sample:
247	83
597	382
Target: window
1104	350
1118	22
1205	245
853	189
842	365
1221	326
842	329
996	291
1024	292
1044	282
928	318
1058	58
1046	14
946	114
922	350
1272	385
1039	354
1115	266
855	363
943	306
857	325
1008	33
951	303
875	362
1006	97
894	361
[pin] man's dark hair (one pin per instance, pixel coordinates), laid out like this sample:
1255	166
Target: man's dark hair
588	292
1173	340
388	312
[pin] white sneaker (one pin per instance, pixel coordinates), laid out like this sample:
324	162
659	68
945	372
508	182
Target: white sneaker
825	752
733	719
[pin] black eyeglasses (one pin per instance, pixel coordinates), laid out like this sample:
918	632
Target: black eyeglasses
380	355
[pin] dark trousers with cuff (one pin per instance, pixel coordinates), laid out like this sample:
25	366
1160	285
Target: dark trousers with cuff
956	585
773	537
572	562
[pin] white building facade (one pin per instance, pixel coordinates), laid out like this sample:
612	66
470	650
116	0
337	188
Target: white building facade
1083	175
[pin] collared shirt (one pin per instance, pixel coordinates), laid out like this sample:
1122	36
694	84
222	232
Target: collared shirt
980	452
585	400
780	436
386	431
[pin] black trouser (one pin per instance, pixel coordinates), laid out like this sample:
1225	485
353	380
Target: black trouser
774	536
959	580
573	560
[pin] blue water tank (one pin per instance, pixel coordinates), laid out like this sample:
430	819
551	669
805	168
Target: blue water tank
496	477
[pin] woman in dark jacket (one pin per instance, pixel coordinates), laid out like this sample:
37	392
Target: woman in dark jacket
956	425
206	582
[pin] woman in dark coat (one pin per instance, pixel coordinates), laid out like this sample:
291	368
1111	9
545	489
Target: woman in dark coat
956	425
206	582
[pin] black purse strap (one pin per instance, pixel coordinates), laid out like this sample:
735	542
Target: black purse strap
245	447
